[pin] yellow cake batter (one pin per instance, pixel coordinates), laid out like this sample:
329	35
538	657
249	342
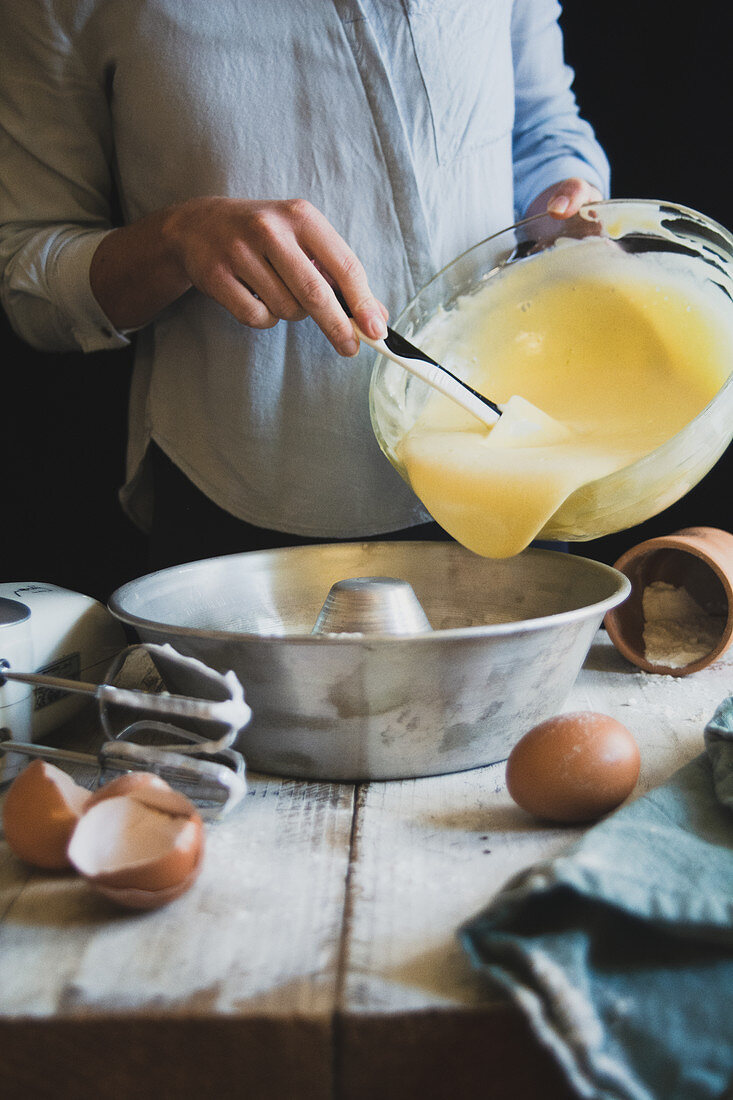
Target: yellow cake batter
597	357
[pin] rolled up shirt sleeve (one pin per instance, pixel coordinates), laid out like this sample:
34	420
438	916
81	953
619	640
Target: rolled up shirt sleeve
46	292
55	185
550	140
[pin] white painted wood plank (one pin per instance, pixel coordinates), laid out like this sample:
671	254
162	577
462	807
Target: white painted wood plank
430	853
257	934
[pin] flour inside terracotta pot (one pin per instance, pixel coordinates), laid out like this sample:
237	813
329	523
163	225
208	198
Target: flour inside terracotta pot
677	630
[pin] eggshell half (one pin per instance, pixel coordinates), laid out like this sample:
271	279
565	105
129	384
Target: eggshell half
41	810
139	842
573	768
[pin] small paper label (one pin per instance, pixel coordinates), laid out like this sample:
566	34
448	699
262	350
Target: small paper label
67	667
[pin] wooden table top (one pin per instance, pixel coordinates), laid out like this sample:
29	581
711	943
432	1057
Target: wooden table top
316	956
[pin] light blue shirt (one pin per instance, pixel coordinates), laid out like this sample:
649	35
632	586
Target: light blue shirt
418	127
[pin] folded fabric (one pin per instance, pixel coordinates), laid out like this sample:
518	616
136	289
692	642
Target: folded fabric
620	951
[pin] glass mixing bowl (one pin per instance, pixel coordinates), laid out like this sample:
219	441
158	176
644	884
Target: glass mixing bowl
684	242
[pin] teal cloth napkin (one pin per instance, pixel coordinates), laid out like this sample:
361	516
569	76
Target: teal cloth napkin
620	951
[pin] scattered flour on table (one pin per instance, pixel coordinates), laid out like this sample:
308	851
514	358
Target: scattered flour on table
677	630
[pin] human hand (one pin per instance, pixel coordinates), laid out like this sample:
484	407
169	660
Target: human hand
564	199
274	260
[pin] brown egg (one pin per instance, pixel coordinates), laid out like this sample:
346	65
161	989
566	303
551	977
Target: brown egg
574	767
139	842
40	813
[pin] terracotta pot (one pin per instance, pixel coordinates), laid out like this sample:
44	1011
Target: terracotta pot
696	559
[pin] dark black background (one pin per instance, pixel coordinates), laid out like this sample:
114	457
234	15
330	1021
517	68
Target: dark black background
657	90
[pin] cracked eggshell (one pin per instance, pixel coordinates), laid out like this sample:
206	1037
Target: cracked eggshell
139	842
41	810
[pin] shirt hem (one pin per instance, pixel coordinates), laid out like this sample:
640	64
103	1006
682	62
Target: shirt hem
135	488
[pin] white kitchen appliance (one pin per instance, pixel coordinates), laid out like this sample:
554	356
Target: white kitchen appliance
53	631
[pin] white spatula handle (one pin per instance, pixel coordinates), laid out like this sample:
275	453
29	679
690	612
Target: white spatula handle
405	354
440	378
